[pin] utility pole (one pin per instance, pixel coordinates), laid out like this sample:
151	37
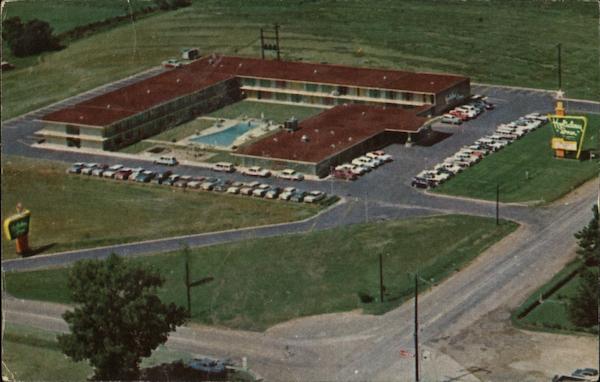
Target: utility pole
380	278
277	41
497	204
417	379
558	46
262	43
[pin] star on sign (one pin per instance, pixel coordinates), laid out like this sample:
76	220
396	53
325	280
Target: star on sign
560	94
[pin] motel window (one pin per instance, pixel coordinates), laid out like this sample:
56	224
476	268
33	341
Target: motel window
296	98
311	87
73	130
281	84
409	96
374	93
327	89
390	94
249	81
281	96
265	83
267	95
342	90
328	101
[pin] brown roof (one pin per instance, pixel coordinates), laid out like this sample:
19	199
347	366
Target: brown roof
132	99
334	74
333	131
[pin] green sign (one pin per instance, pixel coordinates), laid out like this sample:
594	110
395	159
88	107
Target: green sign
569	132
17	225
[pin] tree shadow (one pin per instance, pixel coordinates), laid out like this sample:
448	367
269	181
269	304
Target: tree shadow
178	371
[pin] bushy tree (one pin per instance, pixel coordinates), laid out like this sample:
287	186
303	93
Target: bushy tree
118	318
583	307
589	240
33	37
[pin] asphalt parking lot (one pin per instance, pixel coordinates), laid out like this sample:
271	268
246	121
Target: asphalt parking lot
388	184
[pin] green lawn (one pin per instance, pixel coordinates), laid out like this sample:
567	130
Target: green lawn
72	211
137	147
185	130
552	314
504	42
547	178
30	354
273	112
261	282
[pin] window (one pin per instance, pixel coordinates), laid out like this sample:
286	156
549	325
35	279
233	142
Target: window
281	84
311	87
265	83
374	93
296	98
327	89
249	82
282	97
342	90
390	94
73	130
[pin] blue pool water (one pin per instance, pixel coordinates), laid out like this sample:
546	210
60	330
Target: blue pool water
226	137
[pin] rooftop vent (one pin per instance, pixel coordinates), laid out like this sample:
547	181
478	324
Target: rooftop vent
275	139
81	117
349	139
108	106
385	77
178	80
315	71
363	113
333	145
304	138
240	65
147	91
332	132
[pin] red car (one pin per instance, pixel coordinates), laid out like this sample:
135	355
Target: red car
123	174
344	173
458	114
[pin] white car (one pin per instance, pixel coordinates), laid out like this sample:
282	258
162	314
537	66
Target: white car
167	161
194	184
260	192
112	170
538	116
314	196
451	119
469	112
257	171
358	170
233	190
365	162
287	193
449	167
380	155
290	174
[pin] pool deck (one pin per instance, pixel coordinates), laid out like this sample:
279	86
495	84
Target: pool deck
221	124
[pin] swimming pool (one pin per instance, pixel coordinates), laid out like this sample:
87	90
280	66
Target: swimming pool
226	137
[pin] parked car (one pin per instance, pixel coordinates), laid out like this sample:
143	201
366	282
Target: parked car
223	167
365	162
161	177
273	192
314	196
183	181
380	154
145	176
171	179
222	185
451	119
538	116
209	184
257	171
112	171
194	183
75	168
344	173
234	190
469	112
99	170
420	182
207	365
459	114
298	196
287	193
167	161
290	174
123	174
355	169
88	168
172	63
260	192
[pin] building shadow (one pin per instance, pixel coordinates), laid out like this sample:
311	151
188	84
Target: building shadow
39	250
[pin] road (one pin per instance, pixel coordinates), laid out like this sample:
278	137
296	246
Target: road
352	346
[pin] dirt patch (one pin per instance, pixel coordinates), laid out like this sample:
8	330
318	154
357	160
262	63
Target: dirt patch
497	351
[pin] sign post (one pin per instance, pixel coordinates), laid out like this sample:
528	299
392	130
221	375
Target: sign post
16	227
569	133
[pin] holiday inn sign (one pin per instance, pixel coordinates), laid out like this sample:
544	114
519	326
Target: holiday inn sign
569	132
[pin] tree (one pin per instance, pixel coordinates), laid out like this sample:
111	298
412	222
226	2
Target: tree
589	240
31	38
118	318
583	307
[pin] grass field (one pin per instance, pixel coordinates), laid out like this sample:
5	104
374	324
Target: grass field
547	178
70	211
65	15
185	130
306	274
137	147
30	354
505	42
552	314
273	112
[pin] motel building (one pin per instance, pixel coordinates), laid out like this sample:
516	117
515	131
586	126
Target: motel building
363	107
